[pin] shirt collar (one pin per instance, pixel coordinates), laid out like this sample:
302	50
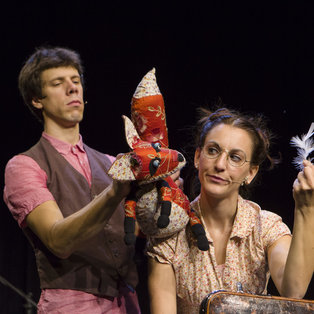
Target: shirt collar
245	219
63	147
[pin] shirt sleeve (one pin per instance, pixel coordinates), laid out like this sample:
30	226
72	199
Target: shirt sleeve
273	228
25	187
111	158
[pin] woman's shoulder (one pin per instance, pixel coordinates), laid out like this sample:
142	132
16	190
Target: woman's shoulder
265	215
271	225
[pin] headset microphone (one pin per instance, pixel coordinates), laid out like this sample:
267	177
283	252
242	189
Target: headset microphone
244	181
240	182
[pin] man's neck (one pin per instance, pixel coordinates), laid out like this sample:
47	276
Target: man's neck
69	135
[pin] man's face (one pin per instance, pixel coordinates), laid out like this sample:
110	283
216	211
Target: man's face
62	101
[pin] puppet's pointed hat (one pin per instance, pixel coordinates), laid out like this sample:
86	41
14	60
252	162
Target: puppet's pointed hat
148	111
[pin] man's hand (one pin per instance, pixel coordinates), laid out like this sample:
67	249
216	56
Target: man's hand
121	188
177	179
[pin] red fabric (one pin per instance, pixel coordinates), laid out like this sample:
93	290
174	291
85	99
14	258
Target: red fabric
178	196
130	208
149	118
166	194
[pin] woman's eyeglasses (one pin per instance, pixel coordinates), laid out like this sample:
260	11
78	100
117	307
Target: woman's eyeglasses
235	157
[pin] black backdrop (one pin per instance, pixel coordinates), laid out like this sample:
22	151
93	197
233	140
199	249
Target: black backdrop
255	57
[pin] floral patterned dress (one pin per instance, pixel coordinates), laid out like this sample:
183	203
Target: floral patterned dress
197	272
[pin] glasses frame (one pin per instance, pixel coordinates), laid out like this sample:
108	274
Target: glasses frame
227	152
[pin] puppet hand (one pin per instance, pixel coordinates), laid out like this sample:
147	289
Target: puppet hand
303	189
121	188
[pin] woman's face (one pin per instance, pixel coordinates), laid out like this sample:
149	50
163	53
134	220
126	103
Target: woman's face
223	161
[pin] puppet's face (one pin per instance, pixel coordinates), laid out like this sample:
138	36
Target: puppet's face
151	162
147	162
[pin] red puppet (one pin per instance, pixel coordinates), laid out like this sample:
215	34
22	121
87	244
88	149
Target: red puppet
155	201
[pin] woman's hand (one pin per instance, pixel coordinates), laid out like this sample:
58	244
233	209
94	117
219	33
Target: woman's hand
299	268
303	189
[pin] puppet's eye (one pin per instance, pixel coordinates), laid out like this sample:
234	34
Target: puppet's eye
156	146
156	163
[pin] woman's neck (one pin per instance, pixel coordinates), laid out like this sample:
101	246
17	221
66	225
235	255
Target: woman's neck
218	213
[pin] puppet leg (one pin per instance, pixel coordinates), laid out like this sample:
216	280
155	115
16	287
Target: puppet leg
129	222
198	231
130	217
165	193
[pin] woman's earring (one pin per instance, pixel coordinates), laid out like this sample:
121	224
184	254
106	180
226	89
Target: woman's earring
244	182
196	166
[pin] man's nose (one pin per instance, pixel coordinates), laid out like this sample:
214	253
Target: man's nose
71	87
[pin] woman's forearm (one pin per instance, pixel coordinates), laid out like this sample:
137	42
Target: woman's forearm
300	261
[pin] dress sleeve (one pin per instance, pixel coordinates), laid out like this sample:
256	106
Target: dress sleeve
163	250
273	228
25	187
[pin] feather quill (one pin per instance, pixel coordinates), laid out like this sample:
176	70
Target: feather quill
305	146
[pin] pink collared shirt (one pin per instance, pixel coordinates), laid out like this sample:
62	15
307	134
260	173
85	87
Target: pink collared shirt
25	182
25	189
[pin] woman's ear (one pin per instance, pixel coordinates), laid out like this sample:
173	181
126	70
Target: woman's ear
37	103
252	173
197	157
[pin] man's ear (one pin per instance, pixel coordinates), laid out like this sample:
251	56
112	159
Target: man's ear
37	103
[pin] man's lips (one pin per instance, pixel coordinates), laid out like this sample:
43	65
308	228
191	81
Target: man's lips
74	103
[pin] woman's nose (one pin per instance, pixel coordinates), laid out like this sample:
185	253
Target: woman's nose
221	160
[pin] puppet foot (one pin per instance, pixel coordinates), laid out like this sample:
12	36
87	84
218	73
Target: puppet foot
202	241
163	221
129	238
129	229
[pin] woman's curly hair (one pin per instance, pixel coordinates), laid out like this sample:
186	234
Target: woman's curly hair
255	126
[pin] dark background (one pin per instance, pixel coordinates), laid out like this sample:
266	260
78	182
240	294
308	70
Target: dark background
255	57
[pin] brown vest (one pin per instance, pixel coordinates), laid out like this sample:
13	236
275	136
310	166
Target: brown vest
104	260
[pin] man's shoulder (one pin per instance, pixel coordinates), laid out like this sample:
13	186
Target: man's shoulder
20	161
97	153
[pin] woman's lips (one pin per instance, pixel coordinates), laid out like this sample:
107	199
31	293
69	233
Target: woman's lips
218	179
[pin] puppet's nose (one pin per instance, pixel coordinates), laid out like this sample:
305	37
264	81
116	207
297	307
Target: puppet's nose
180	157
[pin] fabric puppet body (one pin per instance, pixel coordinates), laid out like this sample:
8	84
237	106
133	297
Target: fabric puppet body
155	201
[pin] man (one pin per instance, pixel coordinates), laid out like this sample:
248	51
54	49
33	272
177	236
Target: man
61	196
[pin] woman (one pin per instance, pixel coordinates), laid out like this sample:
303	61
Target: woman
247	244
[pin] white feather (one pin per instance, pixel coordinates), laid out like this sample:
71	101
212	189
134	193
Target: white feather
304	145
